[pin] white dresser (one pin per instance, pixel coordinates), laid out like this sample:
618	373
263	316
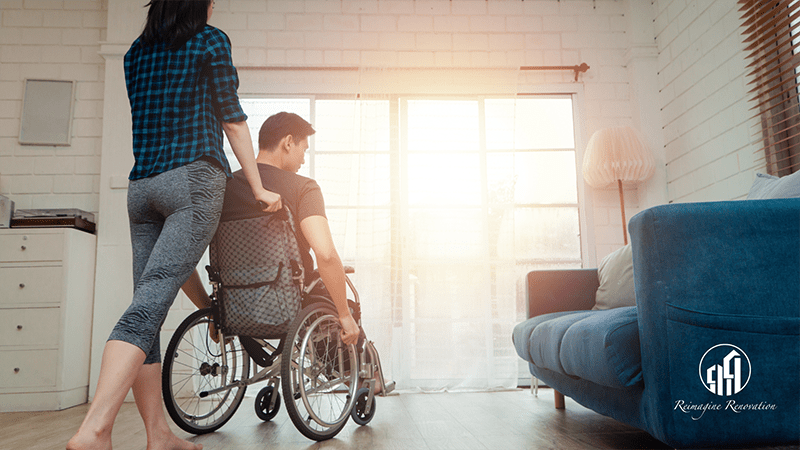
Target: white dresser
46	294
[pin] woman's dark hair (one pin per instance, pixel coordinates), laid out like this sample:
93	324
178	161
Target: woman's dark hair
279	126
174	22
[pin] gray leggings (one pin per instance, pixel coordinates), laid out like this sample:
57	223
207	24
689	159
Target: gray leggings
173	217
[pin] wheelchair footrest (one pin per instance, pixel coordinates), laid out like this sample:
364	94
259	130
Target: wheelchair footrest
389	387
256	351
375	359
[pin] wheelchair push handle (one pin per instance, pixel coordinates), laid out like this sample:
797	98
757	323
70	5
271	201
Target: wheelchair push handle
284	211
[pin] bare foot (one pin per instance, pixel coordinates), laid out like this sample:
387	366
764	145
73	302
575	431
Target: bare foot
172	442
91	442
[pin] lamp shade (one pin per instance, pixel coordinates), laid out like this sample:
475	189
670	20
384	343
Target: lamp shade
616	154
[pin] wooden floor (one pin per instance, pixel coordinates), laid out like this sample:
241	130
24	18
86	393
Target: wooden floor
497	420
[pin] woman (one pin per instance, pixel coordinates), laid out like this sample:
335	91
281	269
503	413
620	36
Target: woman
182	89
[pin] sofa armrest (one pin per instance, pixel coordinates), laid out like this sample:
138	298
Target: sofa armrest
551	291
736	257
719	275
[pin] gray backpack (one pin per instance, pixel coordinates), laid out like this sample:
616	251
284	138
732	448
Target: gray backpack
261	273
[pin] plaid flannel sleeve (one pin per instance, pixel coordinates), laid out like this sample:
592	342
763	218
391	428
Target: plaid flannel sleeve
224	80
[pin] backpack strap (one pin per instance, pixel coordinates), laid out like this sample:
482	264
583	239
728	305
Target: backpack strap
298	271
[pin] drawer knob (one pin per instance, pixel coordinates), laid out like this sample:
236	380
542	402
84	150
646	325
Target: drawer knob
16	369
22	285
24	248
19	327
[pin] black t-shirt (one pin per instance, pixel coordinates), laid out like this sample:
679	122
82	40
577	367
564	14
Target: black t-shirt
302	195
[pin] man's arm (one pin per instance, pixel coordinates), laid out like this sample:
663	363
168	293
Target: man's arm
318	234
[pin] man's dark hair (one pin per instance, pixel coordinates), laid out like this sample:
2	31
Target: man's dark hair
280	125
173	22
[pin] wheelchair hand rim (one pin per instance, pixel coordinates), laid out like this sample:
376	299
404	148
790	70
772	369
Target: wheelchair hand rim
351	389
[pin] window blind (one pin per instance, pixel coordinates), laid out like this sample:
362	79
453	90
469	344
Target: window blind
769	28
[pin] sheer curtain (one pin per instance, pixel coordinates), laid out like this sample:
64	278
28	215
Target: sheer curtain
491	193
442	202
351	160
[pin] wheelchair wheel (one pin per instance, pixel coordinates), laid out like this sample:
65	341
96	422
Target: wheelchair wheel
198	382
359	413
263	400
319	373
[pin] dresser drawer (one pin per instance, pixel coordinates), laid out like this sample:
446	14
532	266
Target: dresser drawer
31	285
29	326
28	368
31	247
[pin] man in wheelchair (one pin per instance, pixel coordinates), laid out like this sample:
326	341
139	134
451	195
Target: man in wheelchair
282	143
323	382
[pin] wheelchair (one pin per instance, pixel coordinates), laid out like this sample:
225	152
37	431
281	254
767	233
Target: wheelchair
324	382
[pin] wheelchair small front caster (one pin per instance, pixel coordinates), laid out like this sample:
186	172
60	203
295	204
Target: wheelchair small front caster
263	400
359	414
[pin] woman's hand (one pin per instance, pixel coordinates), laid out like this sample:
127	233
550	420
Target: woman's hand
269	198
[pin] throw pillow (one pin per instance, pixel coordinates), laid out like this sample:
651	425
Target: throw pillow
616	280
769	186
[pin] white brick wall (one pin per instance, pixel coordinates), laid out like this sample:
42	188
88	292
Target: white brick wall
704	102
52	39
438	33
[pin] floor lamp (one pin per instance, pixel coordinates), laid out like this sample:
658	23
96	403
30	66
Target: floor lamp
617	155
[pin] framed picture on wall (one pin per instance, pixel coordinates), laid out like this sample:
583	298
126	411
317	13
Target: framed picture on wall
47	112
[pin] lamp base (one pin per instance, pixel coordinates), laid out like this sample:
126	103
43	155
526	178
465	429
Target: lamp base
622	209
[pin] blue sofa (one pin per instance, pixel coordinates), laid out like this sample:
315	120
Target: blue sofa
710	354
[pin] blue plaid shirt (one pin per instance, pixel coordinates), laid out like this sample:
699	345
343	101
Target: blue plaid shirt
178	101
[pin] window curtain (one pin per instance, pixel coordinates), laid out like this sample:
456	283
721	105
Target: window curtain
351	161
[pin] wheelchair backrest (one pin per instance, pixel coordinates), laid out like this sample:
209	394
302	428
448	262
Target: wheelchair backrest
261	274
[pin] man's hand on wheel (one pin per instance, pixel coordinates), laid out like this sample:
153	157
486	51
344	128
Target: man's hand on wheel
350	330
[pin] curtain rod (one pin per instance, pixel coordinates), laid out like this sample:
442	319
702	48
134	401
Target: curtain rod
583	67
323	68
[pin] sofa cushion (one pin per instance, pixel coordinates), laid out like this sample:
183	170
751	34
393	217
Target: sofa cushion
538	339
769	186
598	346
604	348
616	280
